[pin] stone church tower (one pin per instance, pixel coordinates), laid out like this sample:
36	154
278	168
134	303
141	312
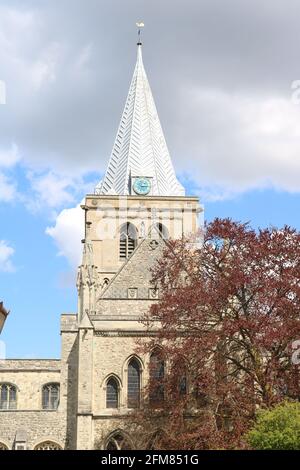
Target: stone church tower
135	208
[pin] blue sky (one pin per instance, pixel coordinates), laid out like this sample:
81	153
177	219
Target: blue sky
227	92
43	286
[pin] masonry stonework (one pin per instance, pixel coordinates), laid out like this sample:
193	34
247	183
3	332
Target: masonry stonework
126	231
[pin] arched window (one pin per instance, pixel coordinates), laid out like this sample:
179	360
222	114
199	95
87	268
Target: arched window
8	396
50	396
112	393
48	445
179	375
3	446
182	385
128	240
134	383
157	373
159	230
118	441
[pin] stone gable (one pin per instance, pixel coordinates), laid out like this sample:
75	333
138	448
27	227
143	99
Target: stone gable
133	281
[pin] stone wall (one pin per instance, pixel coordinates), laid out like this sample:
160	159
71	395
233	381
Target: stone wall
108	213
136	273
127	308
110	357
39	426
69	376
29	376
30	364
104	428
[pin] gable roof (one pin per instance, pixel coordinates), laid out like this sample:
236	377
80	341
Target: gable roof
136	272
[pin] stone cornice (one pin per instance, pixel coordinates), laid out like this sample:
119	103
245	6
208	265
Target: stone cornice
128	333
116	197
116	318
142	299
9	369
31	411
30	365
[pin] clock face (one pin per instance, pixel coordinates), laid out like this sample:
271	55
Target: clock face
142	186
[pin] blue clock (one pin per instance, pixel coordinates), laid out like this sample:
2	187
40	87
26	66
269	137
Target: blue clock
142	186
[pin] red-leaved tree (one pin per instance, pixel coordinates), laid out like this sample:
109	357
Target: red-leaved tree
228	316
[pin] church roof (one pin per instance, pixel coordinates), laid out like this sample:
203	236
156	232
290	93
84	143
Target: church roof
136	274
140	149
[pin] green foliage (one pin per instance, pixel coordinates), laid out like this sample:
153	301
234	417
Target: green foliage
277	429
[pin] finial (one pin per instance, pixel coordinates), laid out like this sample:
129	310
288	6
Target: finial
140	25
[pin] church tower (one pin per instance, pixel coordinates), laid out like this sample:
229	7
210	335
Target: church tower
137	206
82	400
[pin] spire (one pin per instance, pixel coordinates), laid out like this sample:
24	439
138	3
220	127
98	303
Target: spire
140	148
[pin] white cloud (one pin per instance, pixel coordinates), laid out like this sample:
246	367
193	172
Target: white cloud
229	118
239	142
8	189
6	253
235	121
9	157
44	70
48	89
50	190
67	234
54	191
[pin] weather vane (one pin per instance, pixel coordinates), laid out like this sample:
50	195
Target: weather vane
140	25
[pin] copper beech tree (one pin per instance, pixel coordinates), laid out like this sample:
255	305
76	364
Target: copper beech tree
228	315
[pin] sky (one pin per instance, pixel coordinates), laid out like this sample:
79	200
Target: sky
226	80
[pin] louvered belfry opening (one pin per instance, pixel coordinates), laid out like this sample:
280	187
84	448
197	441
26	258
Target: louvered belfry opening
128	240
